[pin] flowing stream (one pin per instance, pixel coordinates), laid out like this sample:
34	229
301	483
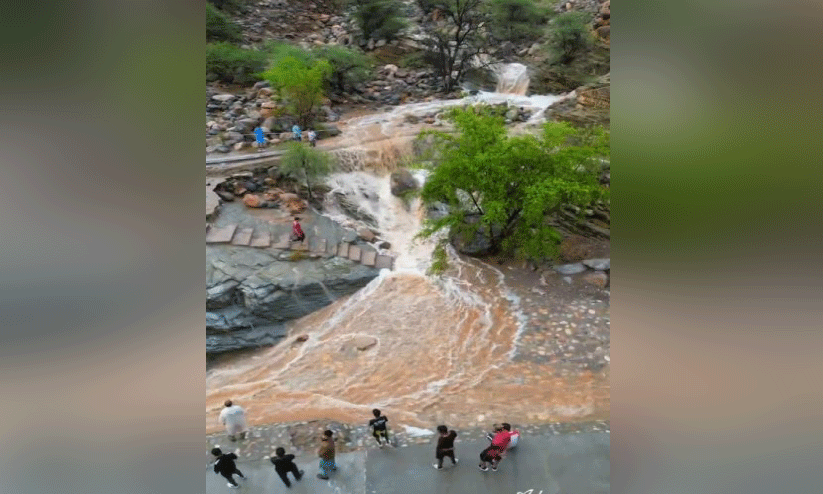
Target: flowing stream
425	349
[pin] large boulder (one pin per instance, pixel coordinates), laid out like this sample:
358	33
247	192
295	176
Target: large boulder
472	238
250	294
403	181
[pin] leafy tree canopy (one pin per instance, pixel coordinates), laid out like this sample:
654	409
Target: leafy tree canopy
305	164
512	183
300	85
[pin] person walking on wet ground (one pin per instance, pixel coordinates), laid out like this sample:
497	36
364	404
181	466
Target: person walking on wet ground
234	418
283	464
445	446
297	231
297	133
379	428
494	453
312	137
326	454
225	466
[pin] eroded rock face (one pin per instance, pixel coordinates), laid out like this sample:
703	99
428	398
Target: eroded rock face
250	294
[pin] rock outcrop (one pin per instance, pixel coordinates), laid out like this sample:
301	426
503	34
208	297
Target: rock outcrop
250	294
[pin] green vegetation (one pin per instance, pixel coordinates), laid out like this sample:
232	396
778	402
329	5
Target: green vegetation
512	183
516	20
300	86
570	35
440	259
379	19
278	50
219	27
234	65
228	5
349	66
305	163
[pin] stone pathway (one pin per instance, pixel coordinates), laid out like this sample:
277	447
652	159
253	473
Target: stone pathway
261	237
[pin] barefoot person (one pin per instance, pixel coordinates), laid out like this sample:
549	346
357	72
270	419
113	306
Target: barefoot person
326	454
234	418
283	464
378	425
445	446
225	466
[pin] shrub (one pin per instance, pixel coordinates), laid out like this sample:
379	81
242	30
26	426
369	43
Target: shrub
219	27
279	50
440	260
570	35
349	66
379	19
516	20
300	85
232	64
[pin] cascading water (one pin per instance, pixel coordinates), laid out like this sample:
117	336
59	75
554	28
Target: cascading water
512	78
425	349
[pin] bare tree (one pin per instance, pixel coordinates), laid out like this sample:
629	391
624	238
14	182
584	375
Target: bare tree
457	38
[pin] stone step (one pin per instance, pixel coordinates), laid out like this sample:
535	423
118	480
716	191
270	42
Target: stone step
332	250
261	238
384	262
368	257
343	249
304	246
354	253
283	242
318	246
221	235
242	236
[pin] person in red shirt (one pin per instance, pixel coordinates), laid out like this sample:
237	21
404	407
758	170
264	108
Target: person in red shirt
296	231
493	454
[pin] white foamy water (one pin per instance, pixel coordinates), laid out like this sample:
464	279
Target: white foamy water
437	349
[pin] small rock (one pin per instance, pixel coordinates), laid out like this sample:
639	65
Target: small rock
366	234
570	268
598	279
598	264
252	201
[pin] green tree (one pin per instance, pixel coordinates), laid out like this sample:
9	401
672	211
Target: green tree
349	66
219	27
512	183
570	35
516	20
229	63
304	163
379	19
299	85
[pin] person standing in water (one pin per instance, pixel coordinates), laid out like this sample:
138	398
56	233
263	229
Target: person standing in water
445	446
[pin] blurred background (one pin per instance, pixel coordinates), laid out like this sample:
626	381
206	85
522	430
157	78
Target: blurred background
716	343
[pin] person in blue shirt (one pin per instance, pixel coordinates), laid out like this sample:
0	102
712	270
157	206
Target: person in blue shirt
261	139
296	131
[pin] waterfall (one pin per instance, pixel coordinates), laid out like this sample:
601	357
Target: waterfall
512	78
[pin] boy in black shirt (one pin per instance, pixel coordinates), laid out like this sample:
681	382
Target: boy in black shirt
378	425
284	464
225	466
445	446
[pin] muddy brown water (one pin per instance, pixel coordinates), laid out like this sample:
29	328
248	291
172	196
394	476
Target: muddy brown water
444	352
